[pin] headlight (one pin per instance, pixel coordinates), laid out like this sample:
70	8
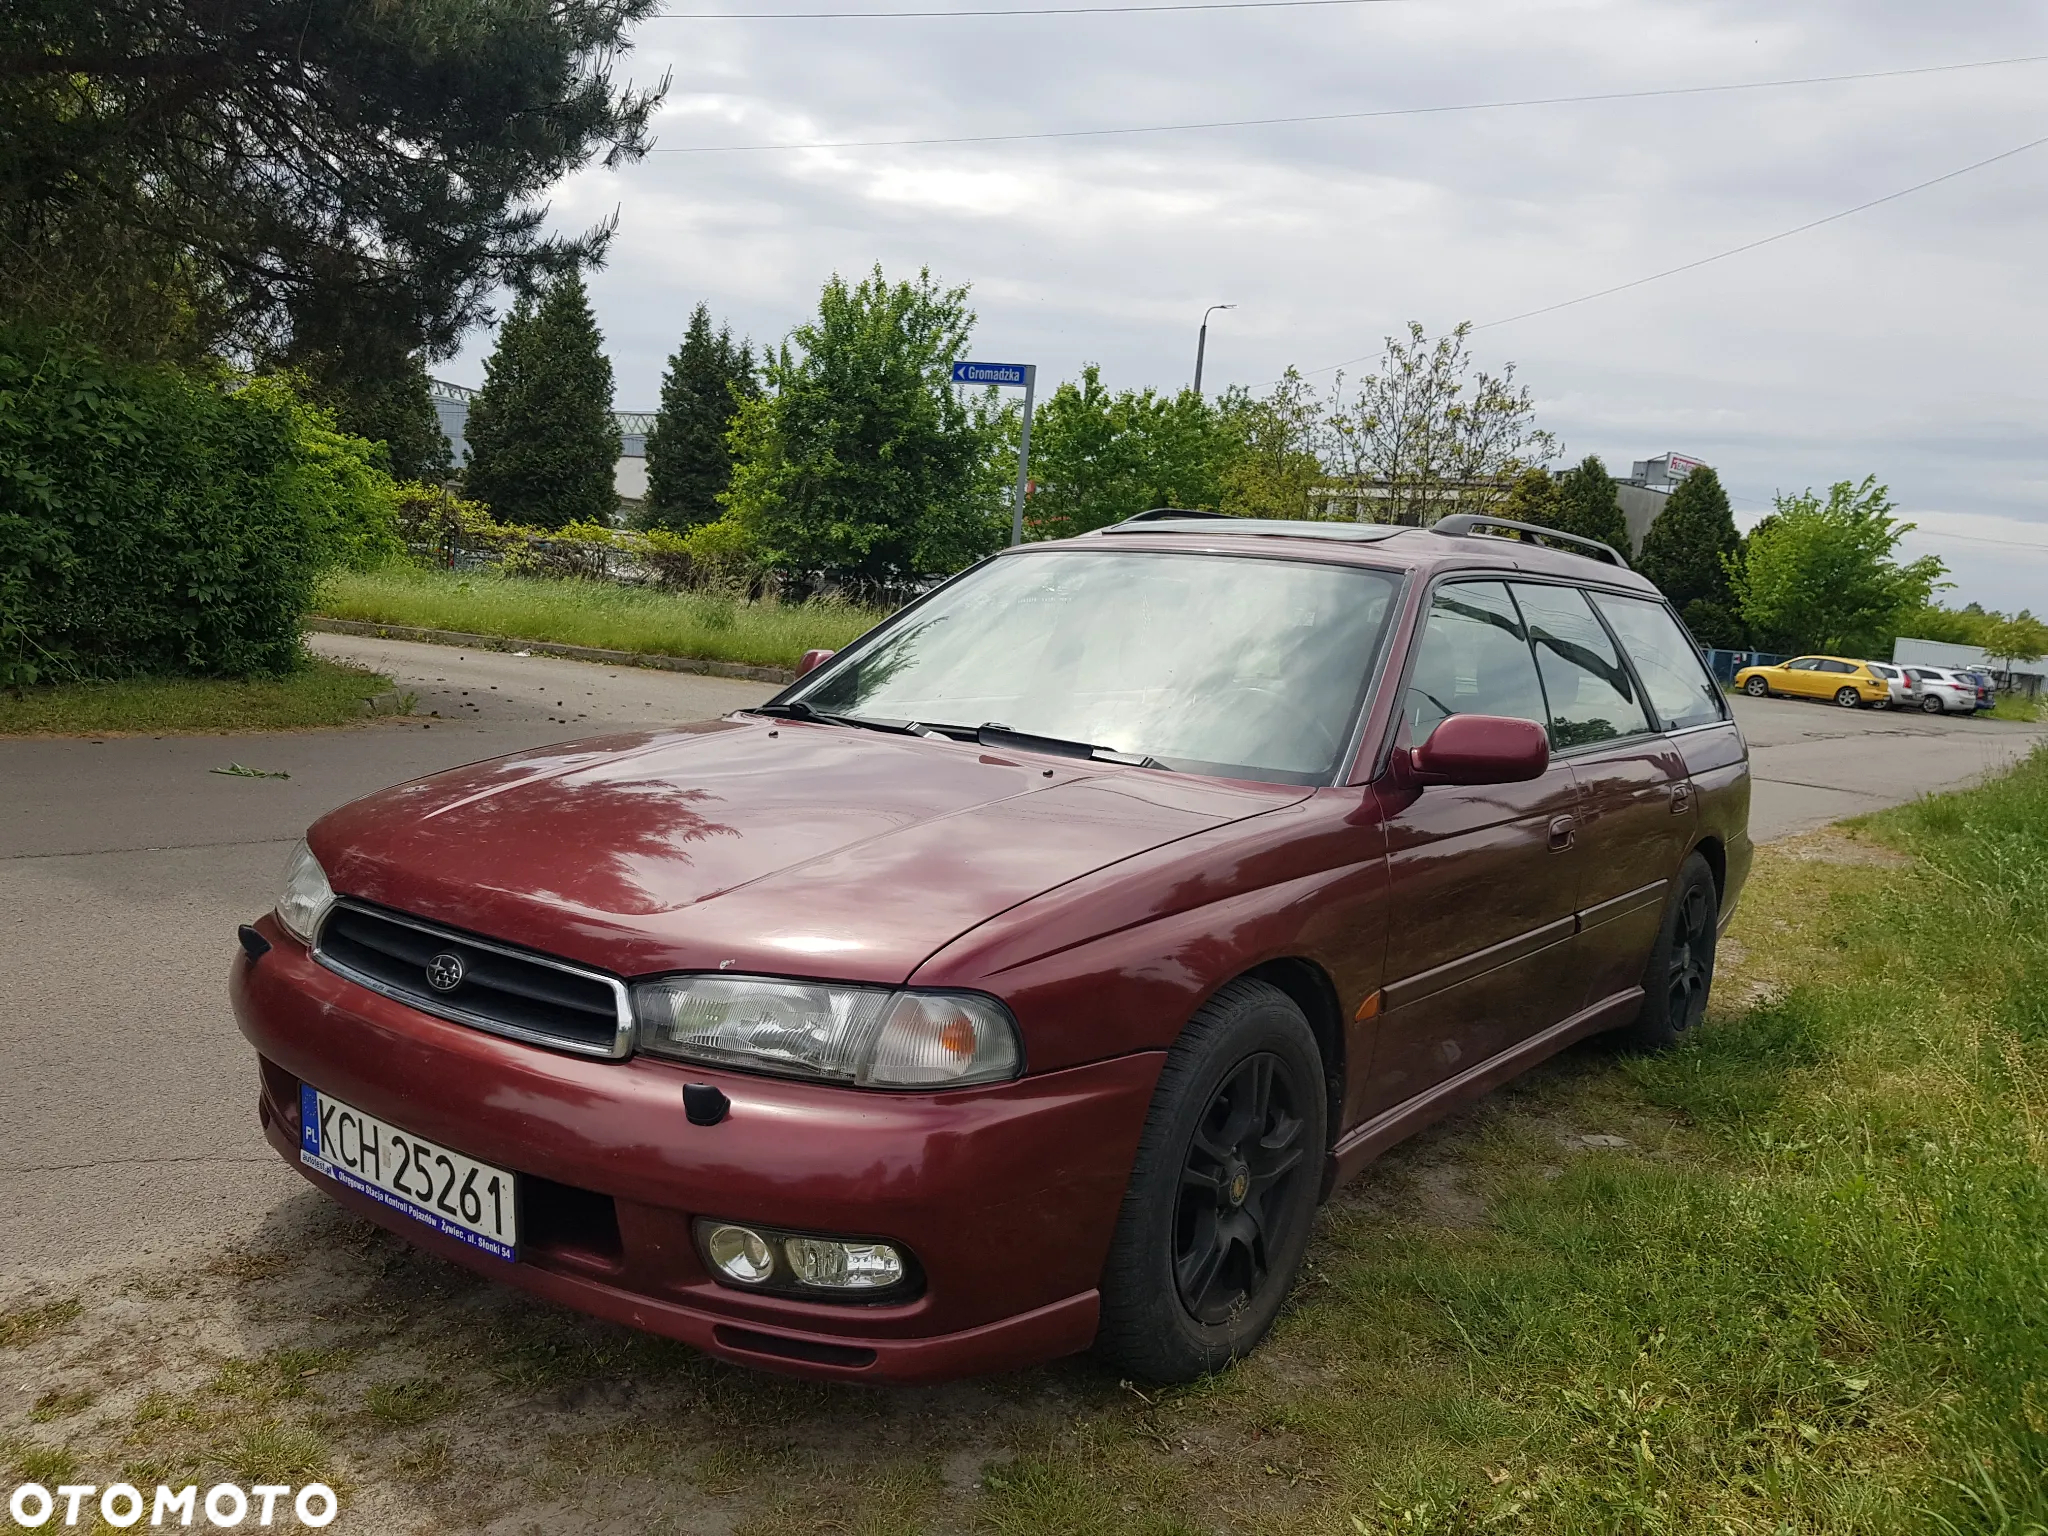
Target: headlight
865	1035
307	895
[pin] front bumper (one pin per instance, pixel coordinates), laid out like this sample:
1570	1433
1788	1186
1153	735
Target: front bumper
1007	1195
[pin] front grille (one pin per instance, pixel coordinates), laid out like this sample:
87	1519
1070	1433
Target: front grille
487	986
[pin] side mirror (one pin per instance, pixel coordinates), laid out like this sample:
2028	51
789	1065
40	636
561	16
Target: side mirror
813	660
1481	749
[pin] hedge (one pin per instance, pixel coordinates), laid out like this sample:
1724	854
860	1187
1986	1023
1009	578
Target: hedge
154	522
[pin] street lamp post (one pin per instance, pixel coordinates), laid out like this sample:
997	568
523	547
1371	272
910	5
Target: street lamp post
1202	342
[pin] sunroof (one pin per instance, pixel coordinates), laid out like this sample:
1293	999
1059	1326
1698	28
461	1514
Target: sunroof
1268	527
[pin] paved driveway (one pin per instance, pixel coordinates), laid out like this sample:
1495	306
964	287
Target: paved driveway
127	1122
1816	763
127	1103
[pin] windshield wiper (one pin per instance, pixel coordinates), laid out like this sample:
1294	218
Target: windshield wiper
994	733
802	711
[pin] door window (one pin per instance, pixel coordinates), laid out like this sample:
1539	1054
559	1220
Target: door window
1836	666
1590	693
1803	664
1680	688
1473	659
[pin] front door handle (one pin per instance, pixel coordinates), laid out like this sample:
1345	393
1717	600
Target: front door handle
1681	799
1561	830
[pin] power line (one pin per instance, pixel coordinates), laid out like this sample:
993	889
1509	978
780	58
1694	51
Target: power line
1349	117
1690	266
1041	10
1783	234
1971	538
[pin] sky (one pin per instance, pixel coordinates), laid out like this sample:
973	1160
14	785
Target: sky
1905	341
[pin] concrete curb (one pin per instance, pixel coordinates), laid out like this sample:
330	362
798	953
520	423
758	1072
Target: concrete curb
549	648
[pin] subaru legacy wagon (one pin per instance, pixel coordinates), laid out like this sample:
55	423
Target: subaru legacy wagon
1019	979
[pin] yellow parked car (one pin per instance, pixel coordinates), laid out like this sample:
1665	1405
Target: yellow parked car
1848	683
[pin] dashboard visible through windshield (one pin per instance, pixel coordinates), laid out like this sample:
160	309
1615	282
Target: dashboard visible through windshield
1240	666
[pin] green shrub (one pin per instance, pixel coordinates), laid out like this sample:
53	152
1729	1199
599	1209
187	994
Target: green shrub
335	479
152	522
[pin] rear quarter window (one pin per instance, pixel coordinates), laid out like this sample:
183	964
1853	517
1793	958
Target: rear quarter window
1675	678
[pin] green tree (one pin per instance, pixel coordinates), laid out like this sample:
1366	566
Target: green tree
2021	638
689	462
543	443
860	460
1429	424
265	176
1099	457
1532	498
1821	575
388	404
1687	551
1587	505
1270	465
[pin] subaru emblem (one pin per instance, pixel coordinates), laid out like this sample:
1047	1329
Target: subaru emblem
445	971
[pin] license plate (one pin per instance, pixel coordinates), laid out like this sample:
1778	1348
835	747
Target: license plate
457	1196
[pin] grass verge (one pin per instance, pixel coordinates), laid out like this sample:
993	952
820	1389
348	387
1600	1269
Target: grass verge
1790	1278
2015	706
319	693
594	613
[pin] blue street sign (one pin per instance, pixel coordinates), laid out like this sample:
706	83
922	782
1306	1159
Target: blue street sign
991	373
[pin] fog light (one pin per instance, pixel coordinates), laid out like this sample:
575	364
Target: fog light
740	1254
837	1266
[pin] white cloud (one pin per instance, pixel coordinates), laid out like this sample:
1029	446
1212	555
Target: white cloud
1903	342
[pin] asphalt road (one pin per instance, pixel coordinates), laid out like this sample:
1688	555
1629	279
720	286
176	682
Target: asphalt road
127	1123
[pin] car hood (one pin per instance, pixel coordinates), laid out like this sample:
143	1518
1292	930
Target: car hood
784	847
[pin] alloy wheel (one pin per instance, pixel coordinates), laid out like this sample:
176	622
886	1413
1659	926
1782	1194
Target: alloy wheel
1848	698
1756	687
1692	958
1247	1152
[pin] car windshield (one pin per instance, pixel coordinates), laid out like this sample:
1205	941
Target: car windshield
1245	667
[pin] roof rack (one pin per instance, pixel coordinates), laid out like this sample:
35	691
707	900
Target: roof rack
1459	524
1167	514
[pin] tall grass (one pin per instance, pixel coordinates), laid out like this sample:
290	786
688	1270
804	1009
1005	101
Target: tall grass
593	613
1812	1296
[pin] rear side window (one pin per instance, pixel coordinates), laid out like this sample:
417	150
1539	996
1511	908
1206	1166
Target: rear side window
1473	659
1680	688
1836	666
1590	693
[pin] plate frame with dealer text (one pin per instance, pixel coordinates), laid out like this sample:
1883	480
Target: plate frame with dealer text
330	1157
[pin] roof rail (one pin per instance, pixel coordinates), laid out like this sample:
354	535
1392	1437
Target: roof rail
1461	523
1162	514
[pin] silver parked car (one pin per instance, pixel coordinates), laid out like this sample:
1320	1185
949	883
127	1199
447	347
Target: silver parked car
1895	679
1939	691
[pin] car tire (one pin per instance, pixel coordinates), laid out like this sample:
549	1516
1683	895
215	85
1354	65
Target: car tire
1930	704
1848	698
1756	687
1223	1190
1681	970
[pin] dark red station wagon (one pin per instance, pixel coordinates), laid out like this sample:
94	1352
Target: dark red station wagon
1020	978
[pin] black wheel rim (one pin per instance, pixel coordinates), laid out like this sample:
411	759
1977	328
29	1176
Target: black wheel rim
1237	1189
1692	958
